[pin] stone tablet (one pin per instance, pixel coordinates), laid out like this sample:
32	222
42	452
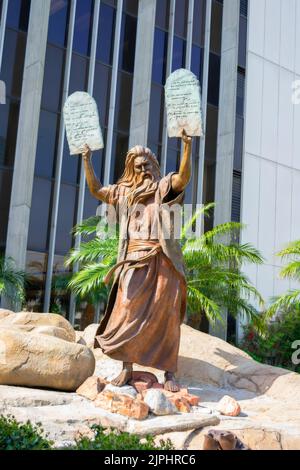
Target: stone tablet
82	123
183	102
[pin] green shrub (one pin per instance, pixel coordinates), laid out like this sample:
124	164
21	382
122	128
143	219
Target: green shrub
275	345
18	436
115	440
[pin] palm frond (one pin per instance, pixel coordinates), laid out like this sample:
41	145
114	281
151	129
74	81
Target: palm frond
284	302
291	270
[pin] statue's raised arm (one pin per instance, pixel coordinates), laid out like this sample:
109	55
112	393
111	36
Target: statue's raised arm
181	179
96	188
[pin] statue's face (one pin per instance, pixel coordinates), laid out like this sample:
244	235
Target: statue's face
143	168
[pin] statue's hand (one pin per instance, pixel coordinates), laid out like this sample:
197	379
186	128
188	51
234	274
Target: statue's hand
185	138
87	153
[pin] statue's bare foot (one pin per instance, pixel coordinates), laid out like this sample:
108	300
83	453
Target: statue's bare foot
170	383
124	377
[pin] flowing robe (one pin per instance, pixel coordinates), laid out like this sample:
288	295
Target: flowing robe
147	303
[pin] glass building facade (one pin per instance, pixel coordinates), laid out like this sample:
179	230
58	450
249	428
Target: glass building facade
91	46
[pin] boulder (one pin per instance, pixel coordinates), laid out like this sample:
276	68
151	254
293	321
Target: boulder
88	336
228	406
159	403
36	360
29	321
5	313
122	404
91	387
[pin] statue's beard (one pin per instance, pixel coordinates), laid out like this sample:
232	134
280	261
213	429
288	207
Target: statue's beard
143	187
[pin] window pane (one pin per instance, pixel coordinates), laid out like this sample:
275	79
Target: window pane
211	133
238	145
216	27
79	74
162	14
197	62
70	164
131	6
199	22
46	145
53	78
57	29
178	59
120	148
156	114
90	205
83	26
127	49
102	91
214	79
13	62
181	14
9	116
5	190
106	34
242	42
39	215
172	160
123	101
66	218
159	56
18	14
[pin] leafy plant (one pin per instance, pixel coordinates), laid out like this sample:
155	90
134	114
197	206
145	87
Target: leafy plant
18	436
115	440
274	345
213	267
12	281
290	301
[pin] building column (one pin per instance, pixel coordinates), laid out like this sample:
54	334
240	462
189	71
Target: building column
226	124
141	93
20	204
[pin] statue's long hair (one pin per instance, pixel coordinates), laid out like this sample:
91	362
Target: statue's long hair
138	192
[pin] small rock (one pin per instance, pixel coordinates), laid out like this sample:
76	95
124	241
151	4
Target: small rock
91	387
122	404
141	386
88	336
228	406
182	405
124	390
158	403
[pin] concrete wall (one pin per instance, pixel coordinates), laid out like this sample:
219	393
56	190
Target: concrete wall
271	165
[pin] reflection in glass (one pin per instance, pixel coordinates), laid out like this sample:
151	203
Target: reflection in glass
39	215
53	78
179	48
159	56
105	41
127	40
46	144
18	14
57	29
238	144
83	26
242	42
131	6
